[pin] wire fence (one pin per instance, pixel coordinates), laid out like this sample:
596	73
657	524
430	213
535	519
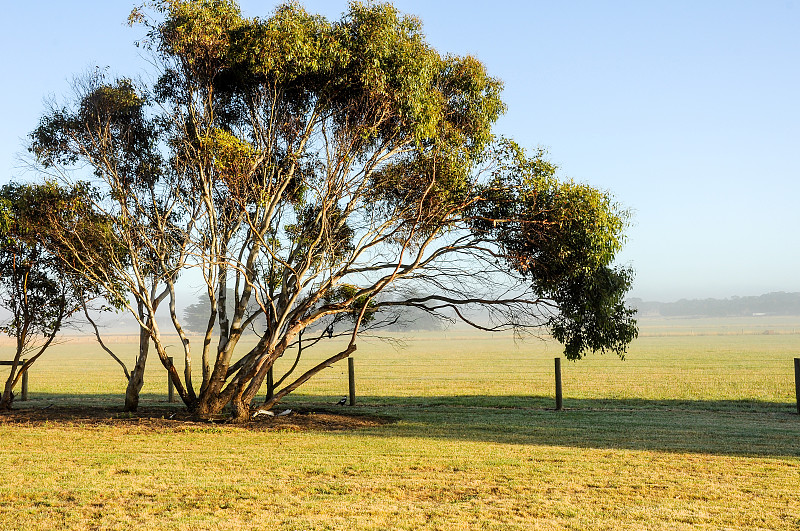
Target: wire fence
747	367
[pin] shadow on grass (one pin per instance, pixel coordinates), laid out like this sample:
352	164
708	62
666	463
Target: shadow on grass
721	427
90	399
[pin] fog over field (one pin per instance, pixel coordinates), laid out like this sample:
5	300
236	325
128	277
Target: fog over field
758	308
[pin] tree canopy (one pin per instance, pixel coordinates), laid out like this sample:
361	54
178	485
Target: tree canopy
323	173
37	288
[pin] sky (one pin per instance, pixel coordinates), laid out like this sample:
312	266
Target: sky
688	112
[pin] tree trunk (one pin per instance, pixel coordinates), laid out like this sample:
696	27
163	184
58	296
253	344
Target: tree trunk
240	409
8	396
209	407
136	380
6	400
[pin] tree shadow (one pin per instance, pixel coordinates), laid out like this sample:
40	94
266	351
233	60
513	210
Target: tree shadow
719	427
43	399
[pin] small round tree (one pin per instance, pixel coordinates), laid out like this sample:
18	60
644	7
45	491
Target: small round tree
38	290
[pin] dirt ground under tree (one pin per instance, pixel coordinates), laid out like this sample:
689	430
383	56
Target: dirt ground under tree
174	419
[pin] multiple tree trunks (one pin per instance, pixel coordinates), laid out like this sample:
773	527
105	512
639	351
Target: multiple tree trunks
320	177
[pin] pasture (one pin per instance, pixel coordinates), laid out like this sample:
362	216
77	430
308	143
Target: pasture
696	429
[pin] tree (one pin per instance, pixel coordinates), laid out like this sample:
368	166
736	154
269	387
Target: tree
110	132
35	287
328	171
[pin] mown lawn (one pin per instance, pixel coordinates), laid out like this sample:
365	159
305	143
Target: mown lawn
690	432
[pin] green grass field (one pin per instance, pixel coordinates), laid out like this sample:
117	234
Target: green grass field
696	429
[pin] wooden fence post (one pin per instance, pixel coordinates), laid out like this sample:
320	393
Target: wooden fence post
559	399
24	383
797	383
351	376
170	385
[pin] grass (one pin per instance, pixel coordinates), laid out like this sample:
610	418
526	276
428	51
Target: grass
689	432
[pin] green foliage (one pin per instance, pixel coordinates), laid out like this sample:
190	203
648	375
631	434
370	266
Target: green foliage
436	179
562	237
108	127
79	240
199	32
592	313
35	287
372	73
547	229
316	227
292	49
233	160
349	295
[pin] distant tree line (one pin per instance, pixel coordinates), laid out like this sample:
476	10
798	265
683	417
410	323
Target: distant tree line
776	303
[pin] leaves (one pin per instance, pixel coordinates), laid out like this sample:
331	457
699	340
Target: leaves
593	316
199	32
35	285
561	237
547	229
108	126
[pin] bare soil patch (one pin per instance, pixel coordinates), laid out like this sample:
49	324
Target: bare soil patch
176	419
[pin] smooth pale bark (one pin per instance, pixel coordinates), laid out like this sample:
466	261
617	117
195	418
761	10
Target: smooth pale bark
136	380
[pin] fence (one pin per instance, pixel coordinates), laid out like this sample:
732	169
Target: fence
487	370
559	400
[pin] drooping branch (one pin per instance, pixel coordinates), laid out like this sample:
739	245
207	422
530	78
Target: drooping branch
103	344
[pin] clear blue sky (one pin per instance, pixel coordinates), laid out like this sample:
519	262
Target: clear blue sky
688	111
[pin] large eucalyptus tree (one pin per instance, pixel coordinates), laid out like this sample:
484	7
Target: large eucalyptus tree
324	174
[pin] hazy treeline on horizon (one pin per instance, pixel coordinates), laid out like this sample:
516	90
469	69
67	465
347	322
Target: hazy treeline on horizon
776	303
769	304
